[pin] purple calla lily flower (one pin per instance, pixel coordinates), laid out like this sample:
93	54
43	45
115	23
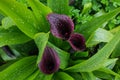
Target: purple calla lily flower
50	61
61	25
77	42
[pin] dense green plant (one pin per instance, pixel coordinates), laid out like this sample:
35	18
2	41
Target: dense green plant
26	40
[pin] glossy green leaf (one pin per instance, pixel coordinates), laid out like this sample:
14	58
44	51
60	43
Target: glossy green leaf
100	35
39	76
23	2
87	7
76	76
41	40
88	28
88	76
1	17
115	30
59	6
32	77
74	62
59	42
40	11
64	56
116	52
102	75
110	63
12	36
4	66
116	77
81	54
25	49
21	15
100	13
20	69
109	71
42	76
97	60
62	76
7	22
116	1
5	56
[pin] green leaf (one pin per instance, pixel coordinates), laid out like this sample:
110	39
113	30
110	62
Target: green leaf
4	66
89	27
116	52
87	7
110	63
64	56
59	6
115	30
12	36
76	76
25	49
39	76
108	71
1	17
20	69
40	11
5	56
100	13
41	40
7	22
21	15
96	61
117	49
102	75
116	77
62	76
42	76
59	42
88	76
81	54
32	77
100	35
23	2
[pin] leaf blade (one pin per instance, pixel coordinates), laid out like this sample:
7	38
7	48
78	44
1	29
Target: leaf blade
40	11
59	6
41	40
100	35
20	69
22	16
96	61
12	36
63	76
88	28
64	56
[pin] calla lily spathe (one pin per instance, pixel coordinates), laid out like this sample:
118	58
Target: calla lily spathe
50	61
61	26
77	42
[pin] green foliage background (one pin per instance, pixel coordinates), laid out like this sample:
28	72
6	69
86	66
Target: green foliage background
25	30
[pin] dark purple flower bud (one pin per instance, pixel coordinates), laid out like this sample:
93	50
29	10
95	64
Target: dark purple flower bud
61	25
77	42
71	2
50	61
